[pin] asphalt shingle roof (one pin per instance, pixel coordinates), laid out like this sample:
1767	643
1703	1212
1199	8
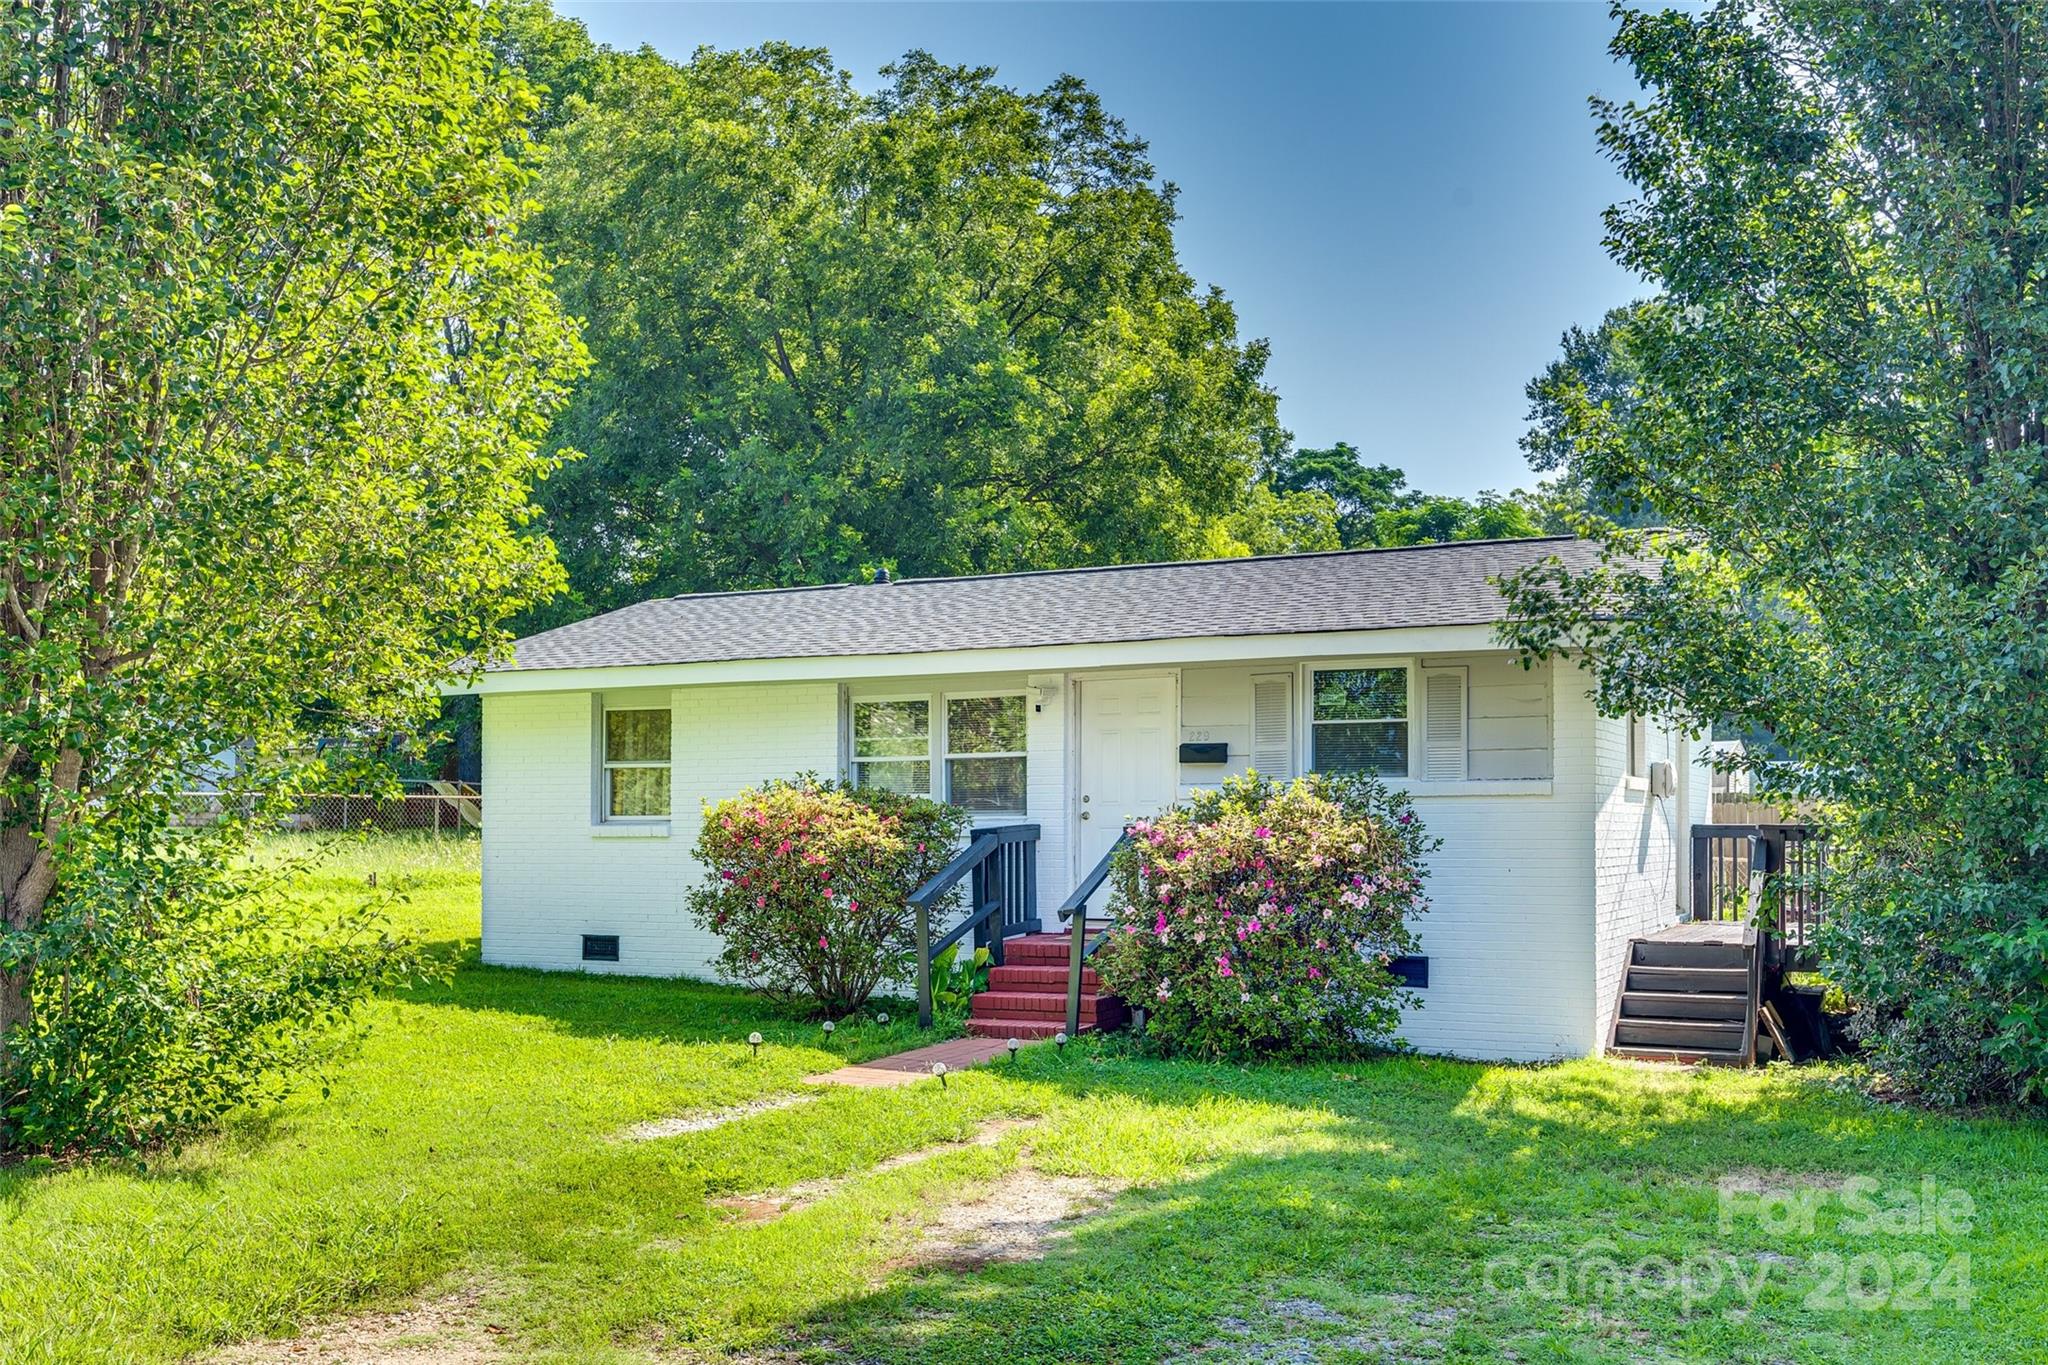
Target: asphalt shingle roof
1427	585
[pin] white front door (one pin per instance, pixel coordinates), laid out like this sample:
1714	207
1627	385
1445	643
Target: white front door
1129	764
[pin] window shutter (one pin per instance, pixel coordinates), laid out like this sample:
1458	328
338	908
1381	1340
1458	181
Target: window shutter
1273	724
845	733
1443	725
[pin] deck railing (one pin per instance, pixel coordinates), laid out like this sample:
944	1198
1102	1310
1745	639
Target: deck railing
1764	875
1000	866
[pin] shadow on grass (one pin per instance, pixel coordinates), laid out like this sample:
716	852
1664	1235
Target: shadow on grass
672	1009
1394	1210
249	1128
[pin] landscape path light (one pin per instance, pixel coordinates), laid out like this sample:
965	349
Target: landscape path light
754	1042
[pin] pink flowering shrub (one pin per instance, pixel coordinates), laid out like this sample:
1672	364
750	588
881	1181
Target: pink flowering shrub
808	883
1261	918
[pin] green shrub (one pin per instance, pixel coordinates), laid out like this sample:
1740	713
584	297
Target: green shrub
956	980
1947	978
809	886
171	983
1260	919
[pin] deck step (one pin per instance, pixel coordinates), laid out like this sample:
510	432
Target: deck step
1687	996
1718	980
1714	1056
1650	952
1724	1035
1683	1005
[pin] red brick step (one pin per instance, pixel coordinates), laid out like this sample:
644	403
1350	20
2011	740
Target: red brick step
1036	949
1027	995
1015	1028
1028	1004
1038	976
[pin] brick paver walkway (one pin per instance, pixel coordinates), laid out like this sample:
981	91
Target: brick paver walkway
905	1067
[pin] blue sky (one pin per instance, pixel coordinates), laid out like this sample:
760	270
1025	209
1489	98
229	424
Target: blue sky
1405	198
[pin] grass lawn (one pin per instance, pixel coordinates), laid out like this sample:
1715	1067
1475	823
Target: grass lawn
1396	1209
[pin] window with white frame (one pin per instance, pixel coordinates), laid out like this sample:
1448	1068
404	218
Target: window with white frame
1358	720
967	750
985	753
892	745
636	763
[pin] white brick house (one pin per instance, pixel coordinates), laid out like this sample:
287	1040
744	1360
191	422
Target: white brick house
1073	699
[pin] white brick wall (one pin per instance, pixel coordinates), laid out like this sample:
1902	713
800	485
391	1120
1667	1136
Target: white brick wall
1637	889
551	876
1533	896
1509	929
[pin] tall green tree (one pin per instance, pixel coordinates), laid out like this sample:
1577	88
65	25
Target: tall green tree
1374	506
275	366
1593	368
1837	406
1426	519
941	325
557	57
1359	491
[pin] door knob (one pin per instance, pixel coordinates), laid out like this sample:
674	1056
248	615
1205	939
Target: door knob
1084	815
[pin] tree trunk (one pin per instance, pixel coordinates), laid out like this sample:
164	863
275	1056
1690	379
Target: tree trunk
25	880
28	874
14	1010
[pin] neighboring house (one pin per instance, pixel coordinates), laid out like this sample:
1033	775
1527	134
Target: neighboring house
1728	785
1075	699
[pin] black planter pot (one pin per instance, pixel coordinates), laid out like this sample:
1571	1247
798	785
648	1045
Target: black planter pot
1813	1030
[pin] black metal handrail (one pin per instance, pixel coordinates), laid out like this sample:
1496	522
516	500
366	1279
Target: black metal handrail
1075	908
1002	900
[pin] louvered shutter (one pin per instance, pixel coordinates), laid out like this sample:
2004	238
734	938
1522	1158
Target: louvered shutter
1443	725
1273	724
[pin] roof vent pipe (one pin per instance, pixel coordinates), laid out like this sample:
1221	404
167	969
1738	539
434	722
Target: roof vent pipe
882	575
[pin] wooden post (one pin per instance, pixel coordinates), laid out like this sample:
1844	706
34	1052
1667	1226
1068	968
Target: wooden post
1759	868
1077	945
978	883
1000	879
1030	907
1702	877
924	967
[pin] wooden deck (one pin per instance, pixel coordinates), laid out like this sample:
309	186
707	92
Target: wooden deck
1702	931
